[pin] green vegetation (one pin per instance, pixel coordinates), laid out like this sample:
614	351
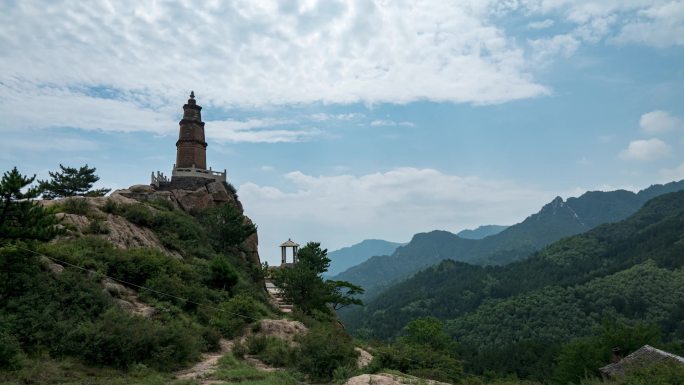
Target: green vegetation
304	287
236	372
424	350
226	226
545	317
50	321
20	216
71	182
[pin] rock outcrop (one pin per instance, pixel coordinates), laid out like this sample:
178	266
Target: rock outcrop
389	379
193	194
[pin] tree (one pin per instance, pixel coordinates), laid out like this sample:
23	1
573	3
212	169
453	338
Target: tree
226	226
342	294
20	216
71	182
303	284
223	274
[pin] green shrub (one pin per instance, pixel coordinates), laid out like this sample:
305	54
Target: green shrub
240	350
324	349
271	350
223	274
10	351
226	226
237	313
139	214
121	340
97	226
110	206
161	204
211	338
77	206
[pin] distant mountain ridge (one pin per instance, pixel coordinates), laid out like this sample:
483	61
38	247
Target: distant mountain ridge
514	317
346	257
481	231
557	219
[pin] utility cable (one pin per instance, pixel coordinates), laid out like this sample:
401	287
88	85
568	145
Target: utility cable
134	285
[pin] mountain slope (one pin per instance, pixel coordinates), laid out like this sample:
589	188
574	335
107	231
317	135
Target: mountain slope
481	231
344	258
478	298
556	220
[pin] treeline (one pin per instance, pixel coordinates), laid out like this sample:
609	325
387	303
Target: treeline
518	319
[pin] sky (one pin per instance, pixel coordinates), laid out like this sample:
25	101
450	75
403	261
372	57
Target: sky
339	121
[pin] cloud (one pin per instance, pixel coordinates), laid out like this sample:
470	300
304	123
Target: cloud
54	144
646	150
341	209
258	131
322	117
543	24
559	45
391	123
657	23
661	25
658	122
673	174
251	54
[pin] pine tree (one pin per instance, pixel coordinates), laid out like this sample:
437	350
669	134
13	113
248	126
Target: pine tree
20	216
71	182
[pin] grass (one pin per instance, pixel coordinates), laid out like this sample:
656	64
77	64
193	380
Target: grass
237	372
49	371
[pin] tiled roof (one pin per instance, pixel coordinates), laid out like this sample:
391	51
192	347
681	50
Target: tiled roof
645	355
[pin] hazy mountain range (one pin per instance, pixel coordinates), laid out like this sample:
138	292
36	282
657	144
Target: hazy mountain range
557	219
346	257
481	231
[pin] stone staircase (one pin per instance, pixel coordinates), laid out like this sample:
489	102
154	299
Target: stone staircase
277	297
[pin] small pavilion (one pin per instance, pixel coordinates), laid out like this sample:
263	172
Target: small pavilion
283	251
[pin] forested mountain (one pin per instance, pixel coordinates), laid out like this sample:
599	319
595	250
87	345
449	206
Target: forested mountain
556	220
481	231
347	257
516	318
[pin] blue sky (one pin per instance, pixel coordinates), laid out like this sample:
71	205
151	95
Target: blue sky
340	121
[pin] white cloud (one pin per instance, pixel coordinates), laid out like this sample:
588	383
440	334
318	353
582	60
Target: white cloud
54	144
383	122
257	130
661	25
543	24
247	54
658	122
673	174
559	45
646	150
322	117
342	209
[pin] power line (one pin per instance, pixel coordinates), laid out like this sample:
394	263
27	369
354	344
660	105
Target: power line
134	285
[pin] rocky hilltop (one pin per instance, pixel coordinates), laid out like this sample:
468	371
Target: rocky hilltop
187	194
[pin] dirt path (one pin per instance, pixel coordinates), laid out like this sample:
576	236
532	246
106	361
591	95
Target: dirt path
207	365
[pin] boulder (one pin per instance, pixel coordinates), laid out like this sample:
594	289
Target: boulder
390	379
141	189
193	200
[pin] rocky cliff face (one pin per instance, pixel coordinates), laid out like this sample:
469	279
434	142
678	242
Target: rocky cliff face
187	194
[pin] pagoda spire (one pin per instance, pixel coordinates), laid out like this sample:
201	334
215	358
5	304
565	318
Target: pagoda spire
191	145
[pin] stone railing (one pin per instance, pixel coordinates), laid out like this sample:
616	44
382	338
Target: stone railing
199	173
158	178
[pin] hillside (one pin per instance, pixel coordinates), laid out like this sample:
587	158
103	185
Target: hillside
149	285
347	257
556	220
631	271
481	231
